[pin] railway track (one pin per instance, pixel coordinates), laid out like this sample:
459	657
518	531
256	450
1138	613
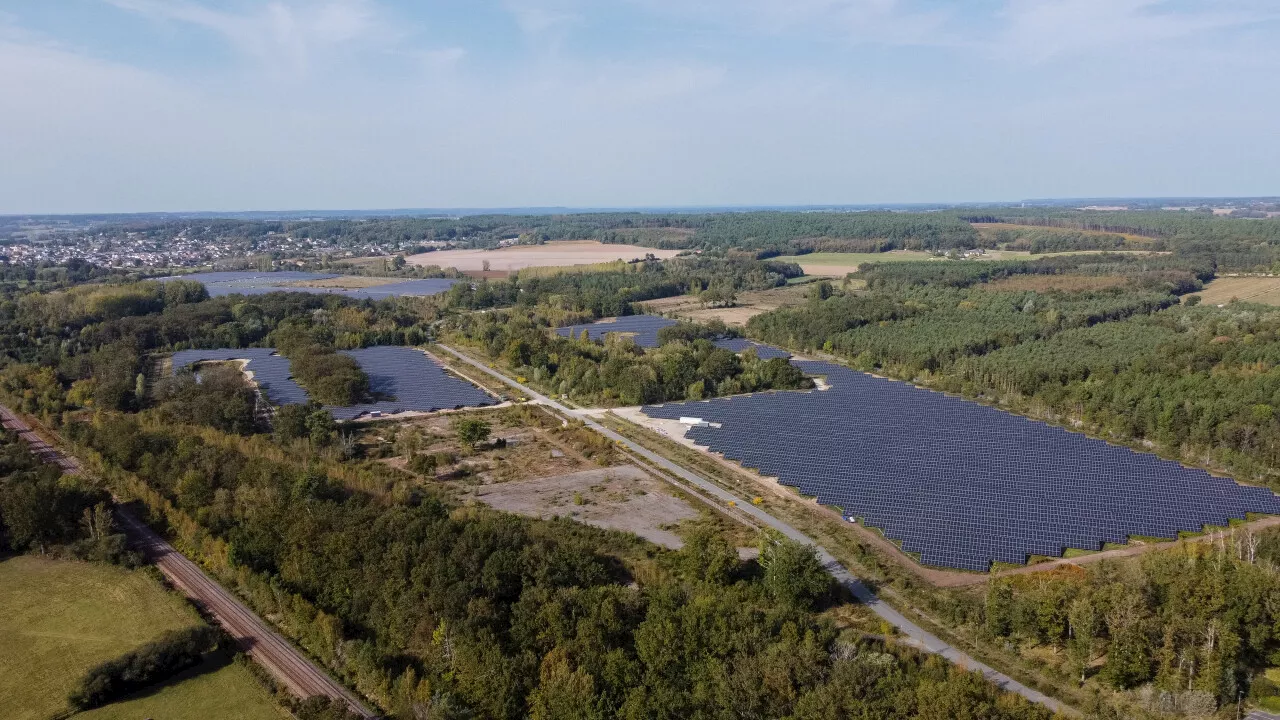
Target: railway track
287	664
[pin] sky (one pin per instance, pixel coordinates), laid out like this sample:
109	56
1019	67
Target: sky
173	105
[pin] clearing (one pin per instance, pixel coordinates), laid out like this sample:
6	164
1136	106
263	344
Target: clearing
748	305
60	618
1265	290
840	264
990	229
616	498
229	692
552	254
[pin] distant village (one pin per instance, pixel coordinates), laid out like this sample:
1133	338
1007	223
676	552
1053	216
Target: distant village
128	249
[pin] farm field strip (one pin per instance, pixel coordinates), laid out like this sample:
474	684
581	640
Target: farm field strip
1264	290
552	254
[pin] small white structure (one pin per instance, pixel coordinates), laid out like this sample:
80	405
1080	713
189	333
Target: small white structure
693	421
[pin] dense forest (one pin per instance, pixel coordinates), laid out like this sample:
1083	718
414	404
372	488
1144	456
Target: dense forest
442	612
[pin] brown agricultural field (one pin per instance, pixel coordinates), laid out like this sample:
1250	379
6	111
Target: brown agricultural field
552	254
1265	290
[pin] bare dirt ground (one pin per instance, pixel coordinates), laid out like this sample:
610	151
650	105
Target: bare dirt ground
1265	290
618	498
552	254
748	305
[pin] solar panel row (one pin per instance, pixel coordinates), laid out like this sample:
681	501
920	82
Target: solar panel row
261	283
408	376
645	330
960	483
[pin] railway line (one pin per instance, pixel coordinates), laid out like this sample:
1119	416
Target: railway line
287	664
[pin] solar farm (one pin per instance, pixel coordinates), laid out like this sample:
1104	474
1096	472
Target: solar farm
959	483
260	283
408	377
644	330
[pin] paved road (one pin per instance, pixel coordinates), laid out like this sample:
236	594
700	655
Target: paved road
285	663
916	635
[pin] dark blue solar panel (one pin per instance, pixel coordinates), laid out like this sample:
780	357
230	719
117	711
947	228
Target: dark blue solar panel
261	283
645	330
739	345
960	483
407	377
644	327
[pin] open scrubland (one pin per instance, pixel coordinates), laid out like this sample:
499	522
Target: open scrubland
839	264
553	254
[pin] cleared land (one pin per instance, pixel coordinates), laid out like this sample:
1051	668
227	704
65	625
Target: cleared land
60	618
747	306
552	254
841	264
226	693
990	229
617	498
1265	290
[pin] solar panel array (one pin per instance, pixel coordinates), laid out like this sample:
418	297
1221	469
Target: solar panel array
412	379
261	283
763	351
960	483
646	327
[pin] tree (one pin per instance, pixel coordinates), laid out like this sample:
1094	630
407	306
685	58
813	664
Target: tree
471	431
793	573
708	557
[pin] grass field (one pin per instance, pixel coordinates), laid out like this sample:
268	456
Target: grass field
60	618
1265	290
840	264
226	693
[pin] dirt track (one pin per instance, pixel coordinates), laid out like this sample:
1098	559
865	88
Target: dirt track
285	662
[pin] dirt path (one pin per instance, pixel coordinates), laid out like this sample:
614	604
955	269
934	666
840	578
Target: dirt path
285	662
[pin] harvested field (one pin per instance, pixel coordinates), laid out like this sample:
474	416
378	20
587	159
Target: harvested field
749	304
617	498
1265	290
552	254
1042	283
60	618
841	264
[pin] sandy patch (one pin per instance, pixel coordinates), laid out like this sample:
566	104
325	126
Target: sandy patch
618	498
552	254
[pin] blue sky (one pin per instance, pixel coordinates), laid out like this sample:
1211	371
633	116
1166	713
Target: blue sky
134	105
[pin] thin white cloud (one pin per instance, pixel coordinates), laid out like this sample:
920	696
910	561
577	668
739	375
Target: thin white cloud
283	37
1043	29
